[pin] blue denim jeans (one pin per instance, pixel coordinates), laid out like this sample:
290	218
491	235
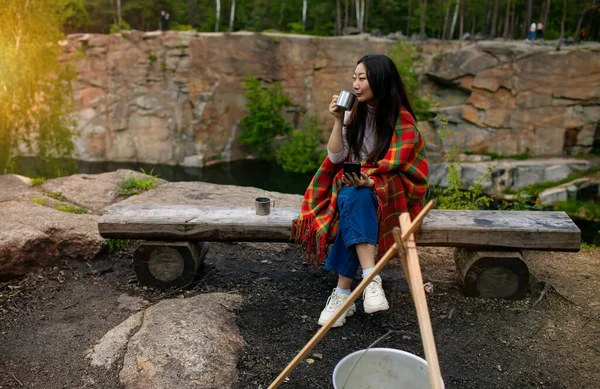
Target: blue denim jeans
357	208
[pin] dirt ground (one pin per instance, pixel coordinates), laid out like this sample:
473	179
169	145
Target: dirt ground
49	318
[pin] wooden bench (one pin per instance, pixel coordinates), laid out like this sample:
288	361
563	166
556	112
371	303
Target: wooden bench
488	244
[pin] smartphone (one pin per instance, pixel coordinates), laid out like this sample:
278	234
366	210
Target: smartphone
352	167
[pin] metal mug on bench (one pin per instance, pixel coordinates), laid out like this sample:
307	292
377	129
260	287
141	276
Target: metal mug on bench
263	205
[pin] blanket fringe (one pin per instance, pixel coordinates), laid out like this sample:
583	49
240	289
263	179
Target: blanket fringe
304	232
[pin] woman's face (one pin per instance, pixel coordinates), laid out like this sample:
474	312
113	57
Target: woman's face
361	84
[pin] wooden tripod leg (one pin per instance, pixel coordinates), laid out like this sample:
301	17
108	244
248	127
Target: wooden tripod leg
418	294
402	255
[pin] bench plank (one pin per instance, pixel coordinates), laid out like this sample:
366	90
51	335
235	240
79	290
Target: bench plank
502	229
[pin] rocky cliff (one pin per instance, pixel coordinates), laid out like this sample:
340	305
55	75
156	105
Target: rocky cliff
177	98
520	98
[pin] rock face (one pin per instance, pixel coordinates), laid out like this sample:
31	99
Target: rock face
177	98
521	98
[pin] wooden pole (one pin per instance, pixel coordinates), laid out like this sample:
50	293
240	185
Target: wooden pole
413	271
411	228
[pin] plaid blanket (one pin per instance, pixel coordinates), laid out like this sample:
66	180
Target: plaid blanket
401	182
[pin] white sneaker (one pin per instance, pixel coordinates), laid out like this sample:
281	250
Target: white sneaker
374	297
333	303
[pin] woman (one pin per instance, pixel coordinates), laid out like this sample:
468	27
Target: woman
358	213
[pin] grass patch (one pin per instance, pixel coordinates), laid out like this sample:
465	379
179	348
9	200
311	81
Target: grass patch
37	181
70	209
135	185
39	200
115	245
56	196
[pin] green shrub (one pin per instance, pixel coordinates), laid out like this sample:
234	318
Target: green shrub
114	28
264	121
152	57
39	200
37	181
453	196
70	209
182	27
300	153
587	210
115	245
134	185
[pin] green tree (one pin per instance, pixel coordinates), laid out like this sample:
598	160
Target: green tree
35	90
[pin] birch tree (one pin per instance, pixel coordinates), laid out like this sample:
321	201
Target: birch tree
232	15
218	11
454	17
507	20
304	7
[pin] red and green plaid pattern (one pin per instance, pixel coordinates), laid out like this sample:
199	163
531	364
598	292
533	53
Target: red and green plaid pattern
401	181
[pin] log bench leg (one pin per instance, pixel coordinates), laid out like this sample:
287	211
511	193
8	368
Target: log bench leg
168	264
492	274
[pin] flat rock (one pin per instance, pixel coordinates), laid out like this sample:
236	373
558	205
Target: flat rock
94	192
186	344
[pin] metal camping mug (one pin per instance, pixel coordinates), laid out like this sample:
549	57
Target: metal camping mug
263	205
346	100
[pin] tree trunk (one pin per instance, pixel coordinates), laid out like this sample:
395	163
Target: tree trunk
232	15
494	19
528	17
366	15
281	13
218	15
585	10
346	5
454	17
514	20
507	20
191	11
423	16
409	17
562	26
461	29
263	13
546	12
474	21
445	30
338	18
304	6
119	14
487	17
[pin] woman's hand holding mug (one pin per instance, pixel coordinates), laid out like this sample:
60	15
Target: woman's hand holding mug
336	111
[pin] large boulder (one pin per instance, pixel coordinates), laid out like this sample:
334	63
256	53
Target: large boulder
33	235
186	344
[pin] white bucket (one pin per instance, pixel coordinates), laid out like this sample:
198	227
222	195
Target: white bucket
381	368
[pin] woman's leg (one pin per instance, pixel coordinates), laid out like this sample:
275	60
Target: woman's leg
360	229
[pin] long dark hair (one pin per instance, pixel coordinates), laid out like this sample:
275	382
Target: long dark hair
389	96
